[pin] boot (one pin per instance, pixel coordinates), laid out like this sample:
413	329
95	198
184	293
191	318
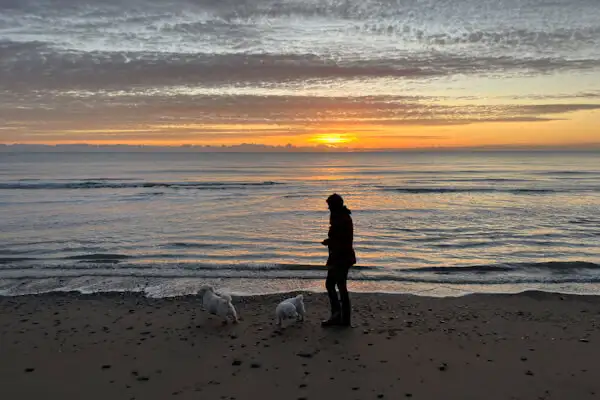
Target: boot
346	313
334	320
345	320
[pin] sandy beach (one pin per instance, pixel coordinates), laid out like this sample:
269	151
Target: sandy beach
125	346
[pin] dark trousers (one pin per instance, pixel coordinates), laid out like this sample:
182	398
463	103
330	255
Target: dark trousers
337	276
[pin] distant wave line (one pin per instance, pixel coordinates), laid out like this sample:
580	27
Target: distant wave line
551	266
105	184
516	191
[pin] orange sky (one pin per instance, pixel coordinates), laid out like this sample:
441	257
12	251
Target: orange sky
576	128
559	110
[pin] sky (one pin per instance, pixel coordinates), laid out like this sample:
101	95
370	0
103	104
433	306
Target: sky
367	75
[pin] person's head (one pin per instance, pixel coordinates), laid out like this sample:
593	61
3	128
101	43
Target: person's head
335	202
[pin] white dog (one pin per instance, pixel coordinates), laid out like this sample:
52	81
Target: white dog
218	304
292	308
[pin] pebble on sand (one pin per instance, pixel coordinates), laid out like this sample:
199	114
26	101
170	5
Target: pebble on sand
305	354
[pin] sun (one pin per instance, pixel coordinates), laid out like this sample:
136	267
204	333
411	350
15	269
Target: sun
332	139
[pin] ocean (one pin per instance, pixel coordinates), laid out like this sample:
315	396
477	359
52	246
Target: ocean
433	223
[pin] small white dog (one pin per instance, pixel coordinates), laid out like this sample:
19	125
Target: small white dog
218	304
292	308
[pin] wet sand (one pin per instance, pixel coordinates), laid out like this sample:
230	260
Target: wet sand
125	346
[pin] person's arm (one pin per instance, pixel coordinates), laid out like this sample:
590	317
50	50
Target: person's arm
330	233
340	232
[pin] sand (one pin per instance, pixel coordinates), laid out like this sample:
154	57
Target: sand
125	346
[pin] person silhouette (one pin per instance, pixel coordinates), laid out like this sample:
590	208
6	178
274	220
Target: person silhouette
341	257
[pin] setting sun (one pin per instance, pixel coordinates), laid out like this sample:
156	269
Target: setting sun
332	139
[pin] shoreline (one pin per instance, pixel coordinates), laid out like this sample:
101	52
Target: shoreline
572	277
173	288
291	293
128	346
540	295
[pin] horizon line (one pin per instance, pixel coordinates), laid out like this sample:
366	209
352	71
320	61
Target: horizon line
288	148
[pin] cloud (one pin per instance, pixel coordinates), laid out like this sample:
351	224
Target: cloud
122	70
538	109
405	137
238	118
592	94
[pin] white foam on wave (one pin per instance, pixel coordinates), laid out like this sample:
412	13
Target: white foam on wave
162	281
159	288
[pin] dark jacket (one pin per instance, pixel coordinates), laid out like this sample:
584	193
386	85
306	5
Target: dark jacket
340	238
